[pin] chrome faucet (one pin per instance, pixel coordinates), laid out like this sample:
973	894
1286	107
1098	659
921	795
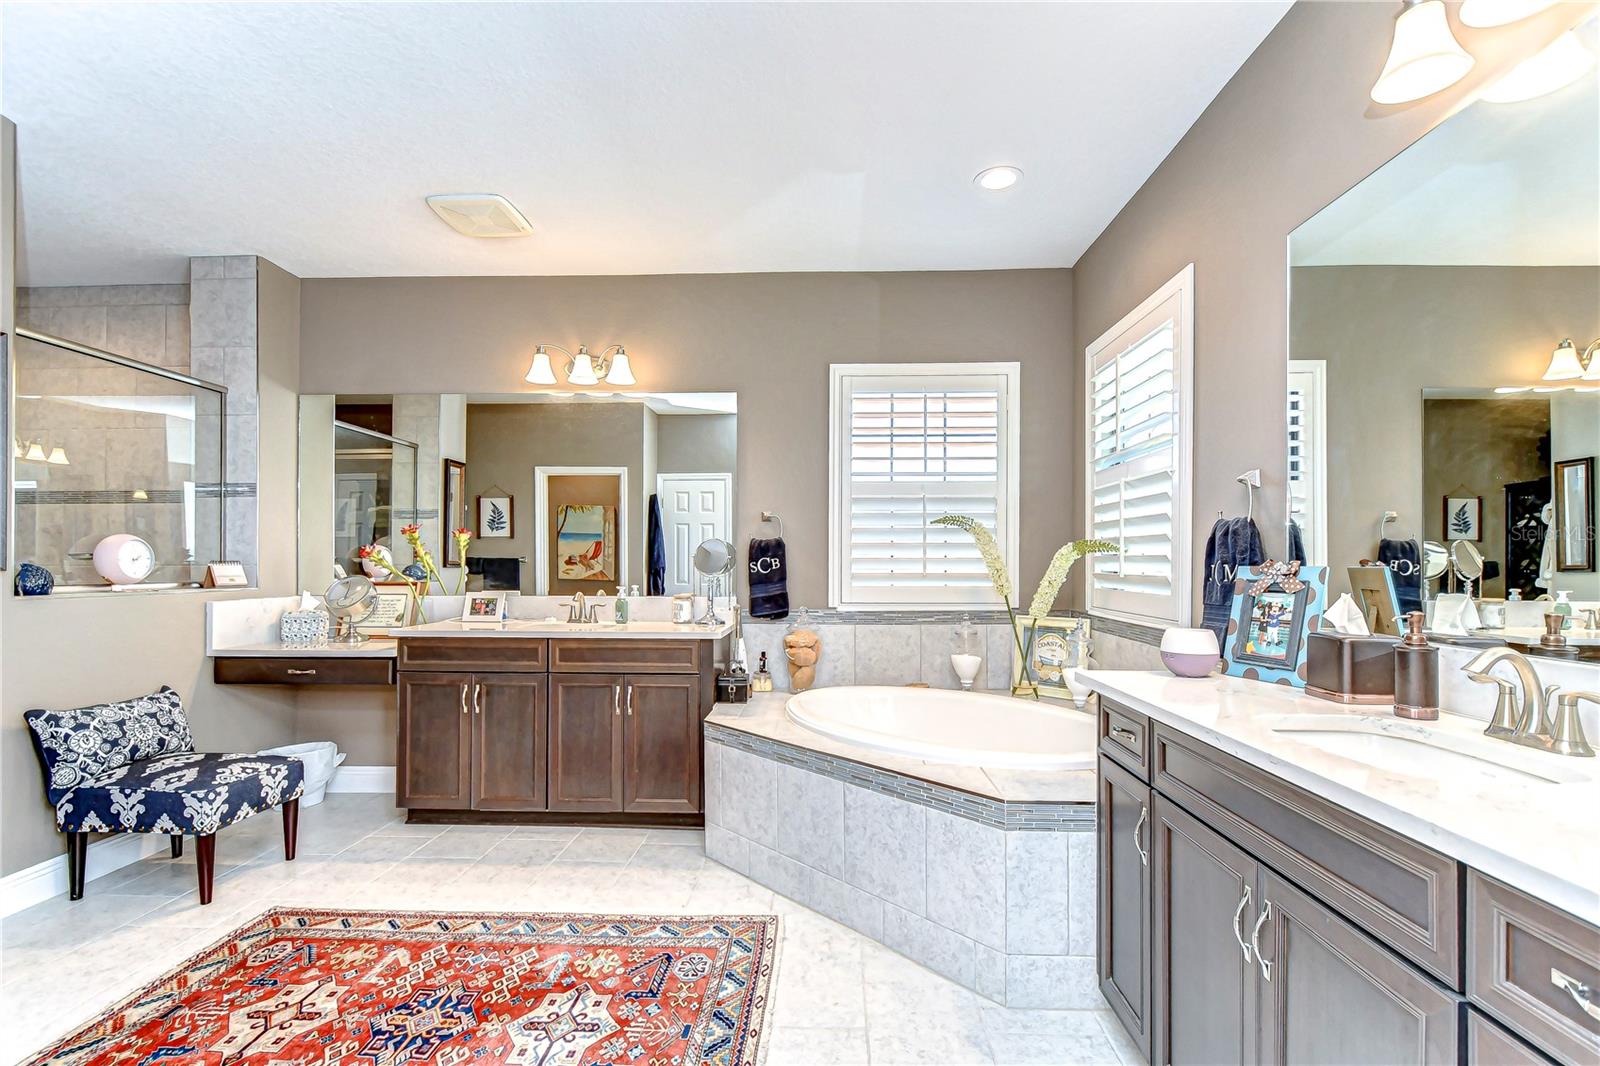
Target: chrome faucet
579	610
1532	725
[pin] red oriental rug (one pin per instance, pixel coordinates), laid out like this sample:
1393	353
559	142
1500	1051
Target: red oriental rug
377	988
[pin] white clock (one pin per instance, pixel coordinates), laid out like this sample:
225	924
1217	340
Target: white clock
124	559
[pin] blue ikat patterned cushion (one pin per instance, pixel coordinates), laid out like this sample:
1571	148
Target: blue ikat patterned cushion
182	793
84	744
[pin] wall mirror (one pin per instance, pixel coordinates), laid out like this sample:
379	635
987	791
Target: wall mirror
562	493
1426	307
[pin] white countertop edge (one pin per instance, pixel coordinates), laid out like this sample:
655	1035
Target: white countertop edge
373	648
1575	898
522	627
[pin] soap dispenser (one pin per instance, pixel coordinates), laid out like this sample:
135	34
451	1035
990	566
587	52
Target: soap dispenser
1416	674
621	611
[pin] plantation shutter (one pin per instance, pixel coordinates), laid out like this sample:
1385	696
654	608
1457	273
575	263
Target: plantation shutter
914	448
1136	428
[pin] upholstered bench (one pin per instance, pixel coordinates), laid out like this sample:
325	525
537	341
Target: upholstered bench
131	767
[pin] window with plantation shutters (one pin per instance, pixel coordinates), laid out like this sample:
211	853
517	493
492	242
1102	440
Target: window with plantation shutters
1138	391
911	443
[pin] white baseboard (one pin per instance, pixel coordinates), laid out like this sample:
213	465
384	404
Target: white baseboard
362	779
43	880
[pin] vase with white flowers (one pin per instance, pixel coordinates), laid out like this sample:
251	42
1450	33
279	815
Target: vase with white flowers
1044	597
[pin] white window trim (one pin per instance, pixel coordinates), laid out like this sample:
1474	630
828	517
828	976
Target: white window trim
1011	478
1182	286
1317	535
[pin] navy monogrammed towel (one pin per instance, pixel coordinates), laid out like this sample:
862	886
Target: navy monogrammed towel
1234	542
769	578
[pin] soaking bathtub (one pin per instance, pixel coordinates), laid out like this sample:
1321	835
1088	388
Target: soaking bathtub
947	726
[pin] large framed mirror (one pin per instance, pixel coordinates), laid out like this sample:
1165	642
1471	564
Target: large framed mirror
1432	400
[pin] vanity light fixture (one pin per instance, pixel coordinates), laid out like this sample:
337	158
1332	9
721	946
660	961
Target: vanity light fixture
997	178
35	453
1567	365
1424	57
58	457
583	368
1559	64
1486	14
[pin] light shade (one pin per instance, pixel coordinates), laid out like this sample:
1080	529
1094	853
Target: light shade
620	373
1564	363
1592	373
583	369
1559	64
1424	57
35	453
58	456
541	373
1482	14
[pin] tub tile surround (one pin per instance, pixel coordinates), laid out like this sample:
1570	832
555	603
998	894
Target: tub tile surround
884	649
996	894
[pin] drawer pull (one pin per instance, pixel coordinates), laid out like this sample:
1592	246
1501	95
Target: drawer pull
477	698
1255	941
1244	901
616	700
630	699
1144	856
1127	736
300	673
463	697
1579	992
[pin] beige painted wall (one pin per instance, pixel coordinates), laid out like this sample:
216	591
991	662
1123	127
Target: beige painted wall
770	337
66	652
1290	132
696	444
1387	333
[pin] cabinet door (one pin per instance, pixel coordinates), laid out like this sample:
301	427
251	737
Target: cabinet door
661	743
508	750
1123	919
434	758
1203	977
586	742
1330	995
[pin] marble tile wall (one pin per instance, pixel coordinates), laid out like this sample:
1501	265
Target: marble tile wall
882	653
1007	913
222	338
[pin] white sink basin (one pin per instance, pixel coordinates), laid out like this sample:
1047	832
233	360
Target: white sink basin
1396	746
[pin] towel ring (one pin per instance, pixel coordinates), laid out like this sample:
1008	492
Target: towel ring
772	516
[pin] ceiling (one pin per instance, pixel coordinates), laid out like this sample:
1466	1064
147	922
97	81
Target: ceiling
1495	185
636	138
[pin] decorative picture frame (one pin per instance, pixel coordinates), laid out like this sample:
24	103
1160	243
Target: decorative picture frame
453	514
496	518
1574	529
1275	607
1463	518
395	609
1374	590
484	608
1046	642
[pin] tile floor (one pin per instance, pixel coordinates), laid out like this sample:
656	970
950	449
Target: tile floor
841	999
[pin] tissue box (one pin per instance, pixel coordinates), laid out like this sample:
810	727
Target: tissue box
1350	669
303	627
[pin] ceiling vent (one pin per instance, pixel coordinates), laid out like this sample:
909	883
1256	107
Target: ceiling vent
480	215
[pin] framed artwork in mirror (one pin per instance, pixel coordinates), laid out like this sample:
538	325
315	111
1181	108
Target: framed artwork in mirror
454	512
1463	517
1275	606
1575	514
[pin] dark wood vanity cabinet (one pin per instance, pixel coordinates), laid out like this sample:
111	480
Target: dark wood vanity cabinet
585	727
1123	914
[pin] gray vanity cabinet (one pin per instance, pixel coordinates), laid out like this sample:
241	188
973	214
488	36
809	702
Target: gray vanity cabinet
1331	995
1123	914
1203	978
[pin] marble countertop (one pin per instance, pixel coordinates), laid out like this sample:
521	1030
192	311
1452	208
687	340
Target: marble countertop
372	648
1540	837
764	716
532	627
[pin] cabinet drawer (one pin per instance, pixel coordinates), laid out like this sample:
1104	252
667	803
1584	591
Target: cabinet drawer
486	655
314	670
1125	736
1534	968
627	656
1404	894
1490	1045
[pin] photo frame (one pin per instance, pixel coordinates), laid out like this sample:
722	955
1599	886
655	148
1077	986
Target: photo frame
484	608
496	518
1374	590
1275	607
1463	518
1574	531
454	512
395	609
1047	642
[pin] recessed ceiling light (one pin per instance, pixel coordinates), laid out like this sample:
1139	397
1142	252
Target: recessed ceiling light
480	215
996	178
